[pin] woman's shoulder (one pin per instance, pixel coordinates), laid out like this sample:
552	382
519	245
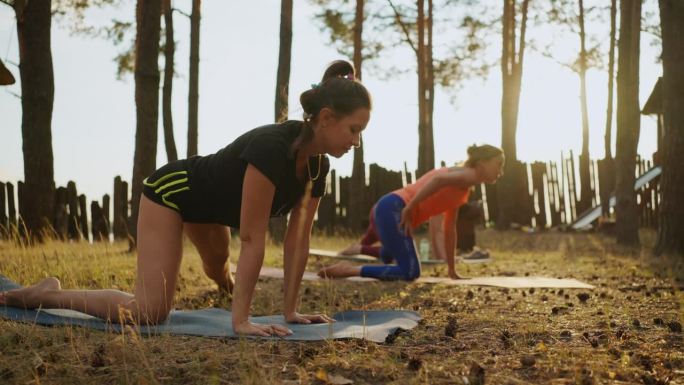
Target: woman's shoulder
273	136
285	129
459	170
461	176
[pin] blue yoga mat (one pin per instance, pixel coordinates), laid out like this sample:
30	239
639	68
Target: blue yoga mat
373	325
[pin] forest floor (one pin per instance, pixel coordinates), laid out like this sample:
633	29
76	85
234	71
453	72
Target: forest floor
625	331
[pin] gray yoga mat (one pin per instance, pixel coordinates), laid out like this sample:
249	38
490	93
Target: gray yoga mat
372	325
509	282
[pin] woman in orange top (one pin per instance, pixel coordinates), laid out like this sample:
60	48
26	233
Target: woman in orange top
440	191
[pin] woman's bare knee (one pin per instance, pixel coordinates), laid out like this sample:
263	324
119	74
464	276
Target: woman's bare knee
145	312
157	317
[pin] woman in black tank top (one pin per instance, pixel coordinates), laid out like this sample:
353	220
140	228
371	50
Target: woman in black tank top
269	171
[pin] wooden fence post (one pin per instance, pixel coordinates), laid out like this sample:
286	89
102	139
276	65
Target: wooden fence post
407	175
560	188
61	217
120	209
326	208
72	203
595	187
21	227
491	193
572	184
83	217
343	214
520	195
538	170
98	223
105	214
11	207
4	224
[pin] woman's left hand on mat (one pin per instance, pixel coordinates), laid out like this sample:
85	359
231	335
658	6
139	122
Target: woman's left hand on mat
296	318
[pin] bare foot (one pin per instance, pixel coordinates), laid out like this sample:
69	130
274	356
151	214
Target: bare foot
352	249
340	270
29	297
227	285
224	280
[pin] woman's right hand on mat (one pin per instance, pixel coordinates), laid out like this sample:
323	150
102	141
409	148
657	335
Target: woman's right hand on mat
406	220
455	275
249	328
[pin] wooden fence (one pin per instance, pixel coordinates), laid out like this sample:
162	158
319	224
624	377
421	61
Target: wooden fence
549	195
71	220
548	198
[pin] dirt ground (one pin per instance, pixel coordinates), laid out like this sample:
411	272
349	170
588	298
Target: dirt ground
625	331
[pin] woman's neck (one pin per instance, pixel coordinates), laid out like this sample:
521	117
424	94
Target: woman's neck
308	149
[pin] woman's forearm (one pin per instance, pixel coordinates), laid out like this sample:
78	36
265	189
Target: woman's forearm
437	240
449	245
296	251
246	276
295	257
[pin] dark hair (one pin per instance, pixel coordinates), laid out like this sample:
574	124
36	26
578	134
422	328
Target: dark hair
477	154
339	90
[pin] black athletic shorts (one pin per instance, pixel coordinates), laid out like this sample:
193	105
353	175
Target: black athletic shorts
169	186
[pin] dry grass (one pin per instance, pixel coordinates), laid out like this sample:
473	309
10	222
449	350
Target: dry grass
507	336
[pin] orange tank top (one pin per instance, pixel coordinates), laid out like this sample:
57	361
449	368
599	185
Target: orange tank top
443	200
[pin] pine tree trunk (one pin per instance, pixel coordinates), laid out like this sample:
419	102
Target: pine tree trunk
146	100
628	122
37	97
422	144
193	93
671	223
585	162
429	94
608	164
284	58
611	77
358	38
358	205
169	50
503	216
510	185
278	226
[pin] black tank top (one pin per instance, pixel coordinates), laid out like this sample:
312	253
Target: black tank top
216	180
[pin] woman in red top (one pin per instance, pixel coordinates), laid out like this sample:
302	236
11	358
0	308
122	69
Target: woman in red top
440	191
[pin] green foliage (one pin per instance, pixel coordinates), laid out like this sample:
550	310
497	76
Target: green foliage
465	60
562	18
337	20
72	14
650	24
459	37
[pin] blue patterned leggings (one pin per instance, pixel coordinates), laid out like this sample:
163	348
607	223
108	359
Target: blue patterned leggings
394	243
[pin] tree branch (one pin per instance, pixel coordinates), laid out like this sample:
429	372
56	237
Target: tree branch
523	30
397	17
16	95
174	10
548	55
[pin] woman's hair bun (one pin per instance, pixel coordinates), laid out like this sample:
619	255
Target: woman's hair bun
338	69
